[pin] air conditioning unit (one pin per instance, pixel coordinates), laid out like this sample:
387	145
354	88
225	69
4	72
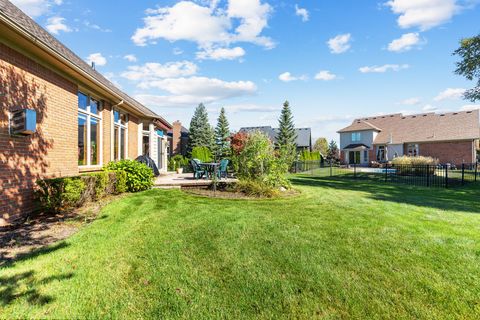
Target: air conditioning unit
23	122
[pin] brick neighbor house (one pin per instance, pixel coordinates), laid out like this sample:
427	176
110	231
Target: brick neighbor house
449	137
81	120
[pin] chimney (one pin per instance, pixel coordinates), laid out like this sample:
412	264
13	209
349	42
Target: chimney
177	138
93	65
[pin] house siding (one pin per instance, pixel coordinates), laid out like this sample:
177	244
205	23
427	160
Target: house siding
52	150
366	137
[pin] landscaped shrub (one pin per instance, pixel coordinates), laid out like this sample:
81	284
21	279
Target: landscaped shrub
60	194
139	176
177	161
259	162
202	153
406	165
256	188
307	155
120	185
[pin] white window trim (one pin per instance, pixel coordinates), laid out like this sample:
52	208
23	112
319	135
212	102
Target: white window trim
97	117
116	157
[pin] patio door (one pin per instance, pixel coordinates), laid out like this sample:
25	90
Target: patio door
354	157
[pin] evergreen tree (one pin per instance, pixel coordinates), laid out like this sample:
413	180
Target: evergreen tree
222	135
286	134
201	133
333	153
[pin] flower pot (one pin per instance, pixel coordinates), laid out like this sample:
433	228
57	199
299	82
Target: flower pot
179	170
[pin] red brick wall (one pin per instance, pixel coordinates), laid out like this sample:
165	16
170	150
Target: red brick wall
456	152
176	138
133	137
52	150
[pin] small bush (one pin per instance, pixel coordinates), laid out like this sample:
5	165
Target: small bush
100	182
120	185
202	153
415	161
256	188
60	194
177	161
406	165
139	177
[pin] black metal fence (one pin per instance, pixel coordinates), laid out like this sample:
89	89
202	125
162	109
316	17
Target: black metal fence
441	176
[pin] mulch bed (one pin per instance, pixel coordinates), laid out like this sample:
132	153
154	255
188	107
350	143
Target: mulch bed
42	229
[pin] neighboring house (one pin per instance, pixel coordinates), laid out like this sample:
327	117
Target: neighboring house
304	136
82	120
449	137
178	139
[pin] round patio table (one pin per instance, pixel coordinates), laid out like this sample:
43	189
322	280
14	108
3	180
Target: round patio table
210	168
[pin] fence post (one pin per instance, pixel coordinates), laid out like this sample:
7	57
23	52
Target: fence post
446	176
330	168
463	173
386	171
476	171
428	175
354	170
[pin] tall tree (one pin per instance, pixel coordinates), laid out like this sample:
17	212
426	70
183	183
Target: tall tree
286	134
333	153
469	66
321	145
222	135
201	133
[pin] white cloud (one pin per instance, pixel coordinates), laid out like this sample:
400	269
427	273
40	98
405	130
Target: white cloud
241	20
193	90
221	54
302	12
130	58
424	14
325	75
384	68
450	94
57	24
36	8
429	108
152	71
177	51
470	107
288	77
95	26
405	42
411	101
340	43
97	58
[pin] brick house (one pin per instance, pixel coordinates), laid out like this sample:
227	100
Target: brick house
178	139
449	137
82	120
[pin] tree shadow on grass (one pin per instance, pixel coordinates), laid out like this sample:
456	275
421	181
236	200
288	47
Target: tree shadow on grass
464	198
12	288
8	262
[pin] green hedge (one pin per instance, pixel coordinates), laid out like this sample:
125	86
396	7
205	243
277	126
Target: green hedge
63	194
202	153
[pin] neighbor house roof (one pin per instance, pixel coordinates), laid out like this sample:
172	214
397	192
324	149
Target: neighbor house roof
304	135
425	127
11	15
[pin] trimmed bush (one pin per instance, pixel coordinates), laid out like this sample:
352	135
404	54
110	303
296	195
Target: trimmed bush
139	176
177	161
406	165
120	184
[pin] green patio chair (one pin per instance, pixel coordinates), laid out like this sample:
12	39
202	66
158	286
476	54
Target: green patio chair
198	172
222	169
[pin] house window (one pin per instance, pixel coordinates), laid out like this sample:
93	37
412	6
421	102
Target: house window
89	131
381	153
120	121
412	150
356	136
365	155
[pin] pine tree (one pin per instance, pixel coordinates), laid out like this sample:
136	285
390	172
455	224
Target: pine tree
286	133
222	134
201	133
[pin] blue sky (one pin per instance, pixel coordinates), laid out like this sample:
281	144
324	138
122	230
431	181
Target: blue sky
333	60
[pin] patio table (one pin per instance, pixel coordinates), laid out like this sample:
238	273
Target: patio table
210	168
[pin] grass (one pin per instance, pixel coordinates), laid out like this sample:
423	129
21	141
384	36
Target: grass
341	249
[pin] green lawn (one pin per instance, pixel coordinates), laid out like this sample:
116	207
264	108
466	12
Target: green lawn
341	249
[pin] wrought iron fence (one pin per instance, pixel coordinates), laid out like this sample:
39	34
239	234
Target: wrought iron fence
441	176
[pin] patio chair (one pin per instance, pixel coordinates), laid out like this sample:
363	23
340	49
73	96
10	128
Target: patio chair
222	170
198	173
